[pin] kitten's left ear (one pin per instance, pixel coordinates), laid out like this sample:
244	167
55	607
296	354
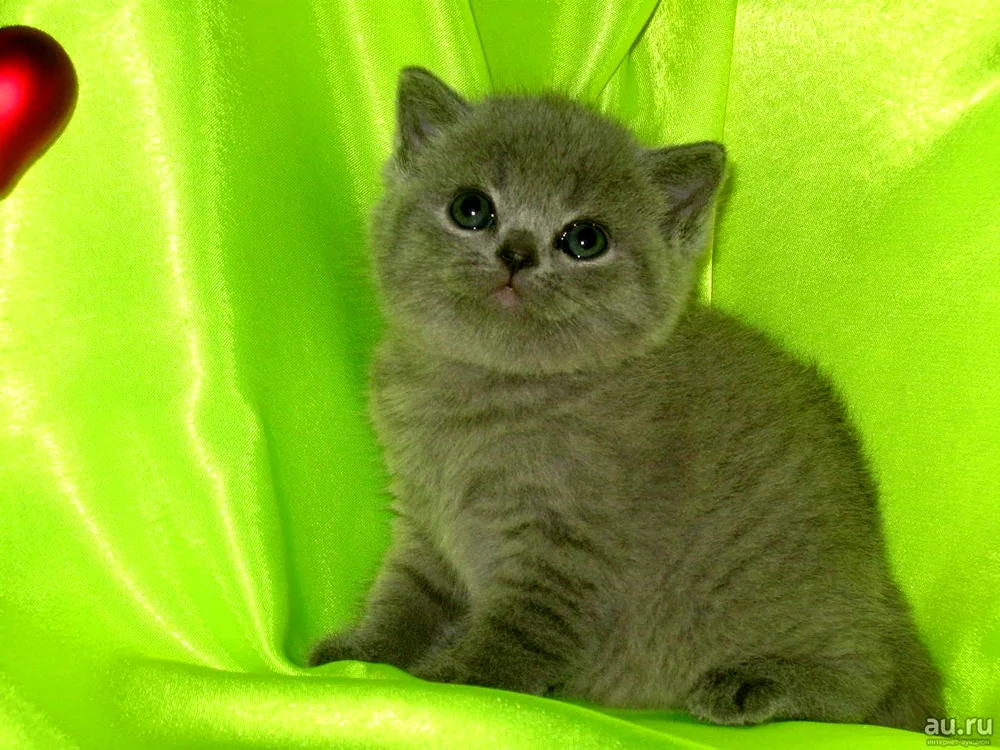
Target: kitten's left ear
690	176
425	105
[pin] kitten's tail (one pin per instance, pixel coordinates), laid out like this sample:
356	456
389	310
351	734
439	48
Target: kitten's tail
911	701
915	694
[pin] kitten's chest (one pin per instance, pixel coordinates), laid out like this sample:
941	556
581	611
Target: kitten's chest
462	440
439	432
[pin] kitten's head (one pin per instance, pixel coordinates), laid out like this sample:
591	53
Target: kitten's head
530	234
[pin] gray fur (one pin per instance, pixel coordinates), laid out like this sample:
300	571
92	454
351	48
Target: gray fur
606	491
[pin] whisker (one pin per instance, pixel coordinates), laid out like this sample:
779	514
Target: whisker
552	288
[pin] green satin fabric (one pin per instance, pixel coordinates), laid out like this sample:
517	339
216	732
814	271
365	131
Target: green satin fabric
190	492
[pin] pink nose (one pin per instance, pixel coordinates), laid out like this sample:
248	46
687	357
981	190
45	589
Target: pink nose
518	253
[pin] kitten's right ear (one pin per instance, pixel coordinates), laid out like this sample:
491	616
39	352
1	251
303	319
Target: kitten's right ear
690	177
425	105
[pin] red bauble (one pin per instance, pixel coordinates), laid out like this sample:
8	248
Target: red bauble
37	96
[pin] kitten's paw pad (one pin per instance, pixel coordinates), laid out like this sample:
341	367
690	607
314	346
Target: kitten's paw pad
734	697
338	647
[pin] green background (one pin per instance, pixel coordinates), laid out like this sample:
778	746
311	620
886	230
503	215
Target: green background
190	492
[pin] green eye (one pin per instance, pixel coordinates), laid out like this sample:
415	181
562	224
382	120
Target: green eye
472	210
583	240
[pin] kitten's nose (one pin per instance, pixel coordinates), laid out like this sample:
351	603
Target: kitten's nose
518	252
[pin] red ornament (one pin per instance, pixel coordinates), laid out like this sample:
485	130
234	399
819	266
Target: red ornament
37	96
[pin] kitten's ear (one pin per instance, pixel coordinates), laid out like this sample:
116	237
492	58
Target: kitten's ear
690	176
425	105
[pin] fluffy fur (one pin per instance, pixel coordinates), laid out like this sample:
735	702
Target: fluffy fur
604	491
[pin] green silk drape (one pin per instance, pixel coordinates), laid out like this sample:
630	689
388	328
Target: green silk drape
190	492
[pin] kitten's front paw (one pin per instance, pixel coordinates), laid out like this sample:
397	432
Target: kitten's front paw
734	697
442	666
493	672
339	647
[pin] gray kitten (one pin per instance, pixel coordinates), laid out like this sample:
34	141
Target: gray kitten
604	491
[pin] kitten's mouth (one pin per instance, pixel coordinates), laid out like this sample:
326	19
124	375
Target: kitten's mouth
506	290
507	297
